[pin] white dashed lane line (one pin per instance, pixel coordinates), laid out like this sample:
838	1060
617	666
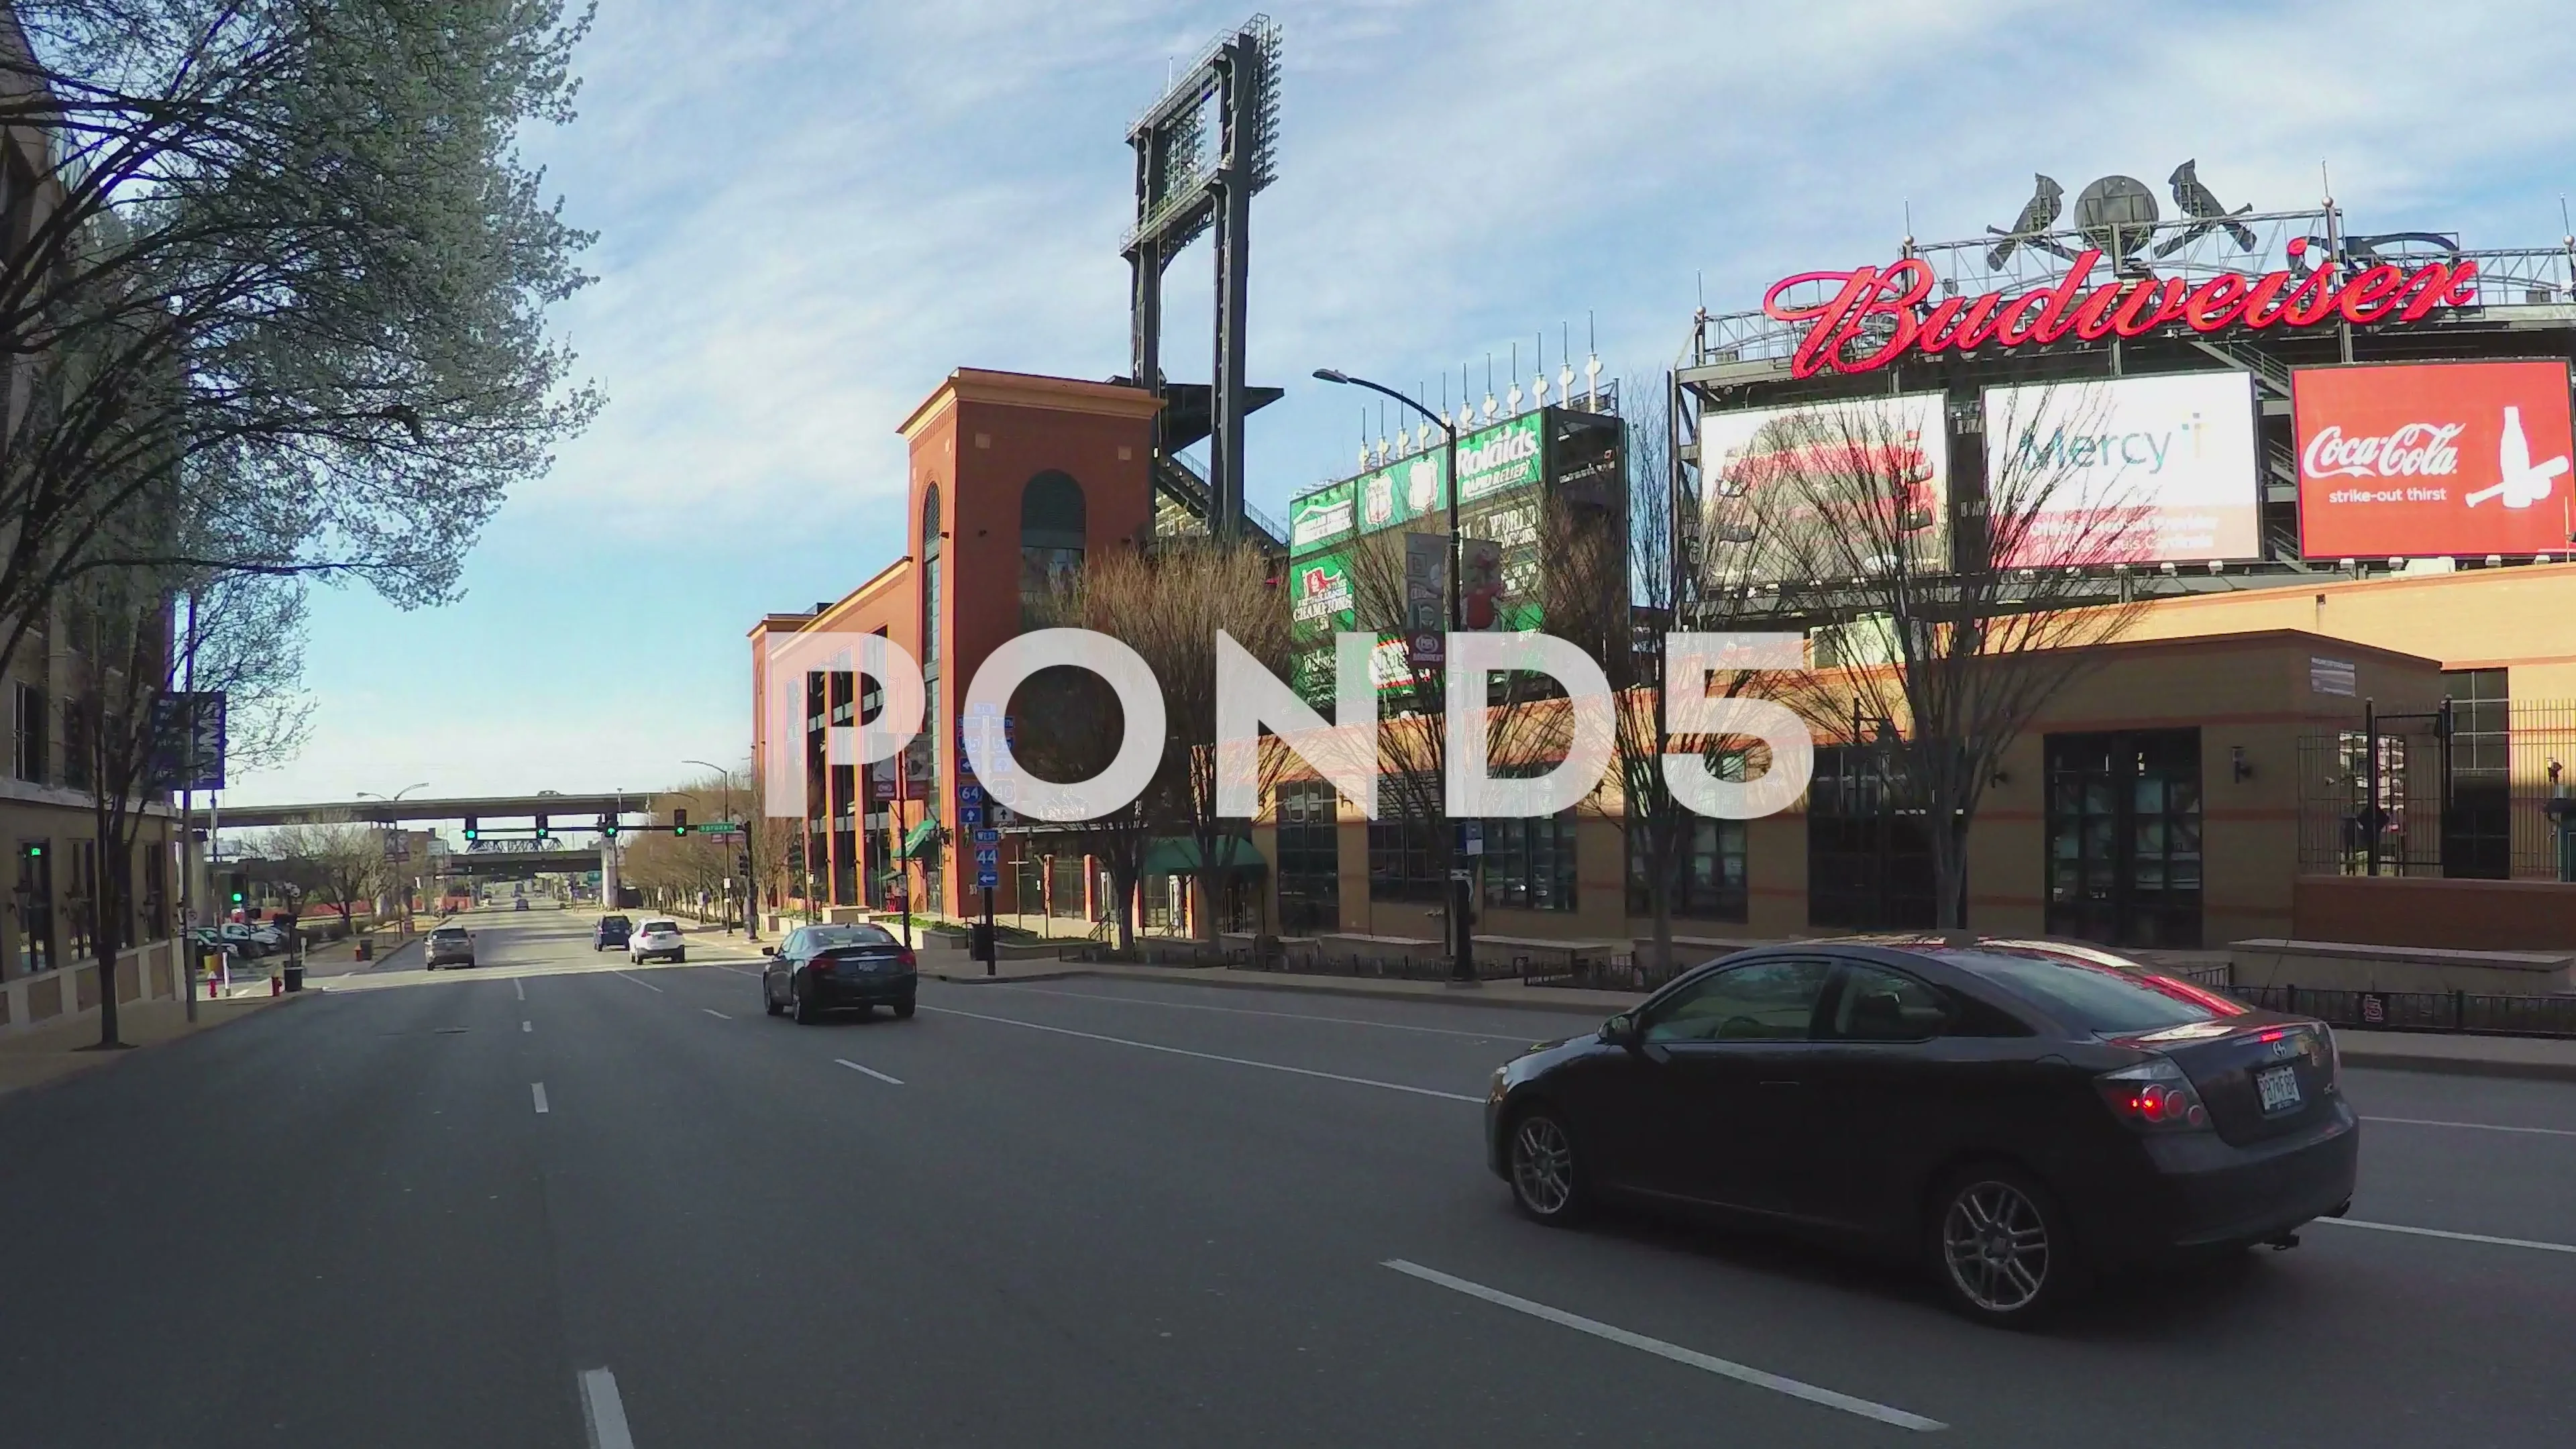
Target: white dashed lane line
538	1091
2532	1243
1723	1368
603	1413
718	1015
871	1071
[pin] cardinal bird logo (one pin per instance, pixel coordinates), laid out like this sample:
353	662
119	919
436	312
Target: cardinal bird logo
2037	216
2207	212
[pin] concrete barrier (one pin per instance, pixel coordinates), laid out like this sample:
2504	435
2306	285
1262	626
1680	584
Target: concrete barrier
2352	966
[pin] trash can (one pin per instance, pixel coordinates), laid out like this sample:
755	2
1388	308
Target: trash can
294	973
366	949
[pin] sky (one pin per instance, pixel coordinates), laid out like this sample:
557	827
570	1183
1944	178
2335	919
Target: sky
810	212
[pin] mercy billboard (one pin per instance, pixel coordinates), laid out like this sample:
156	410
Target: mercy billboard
2413	460
2133	470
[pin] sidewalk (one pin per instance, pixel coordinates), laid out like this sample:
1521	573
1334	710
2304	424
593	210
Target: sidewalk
2496	1056
46	1053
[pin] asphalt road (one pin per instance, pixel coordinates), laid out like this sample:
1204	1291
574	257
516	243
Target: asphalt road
548	1203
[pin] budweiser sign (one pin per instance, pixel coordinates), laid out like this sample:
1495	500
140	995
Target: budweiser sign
1875	317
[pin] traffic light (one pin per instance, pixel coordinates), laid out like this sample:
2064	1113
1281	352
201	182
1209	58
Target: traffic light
238	883
679	822
473	831
542	832
33	850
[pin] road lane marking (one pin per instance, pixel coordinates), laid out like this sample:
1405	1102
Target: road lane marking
520	987
603	1414
2477	1126
711	1011
527	1026
871	1071
538	1090
1209	1056
736	970
647	985
2532	1243
1018	990
1723	1368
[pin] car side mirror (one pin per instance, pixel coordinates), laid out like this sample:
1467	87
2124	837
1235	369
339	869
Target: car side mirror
768	950
1620	1030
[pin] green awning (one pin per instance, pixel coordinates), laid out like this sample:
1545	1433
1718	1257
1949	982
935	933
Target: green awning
1179	855
924	834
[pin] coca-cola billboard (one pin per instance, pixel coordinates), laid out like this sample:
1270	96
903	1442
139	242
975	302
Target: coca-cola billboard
2416	460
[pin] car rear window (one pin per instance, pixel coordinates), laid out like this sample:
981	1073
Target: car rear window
618	921
448	935
651	926
824	937
2090	989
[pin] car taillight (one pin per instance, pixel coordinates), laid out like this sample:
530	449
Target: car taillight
2153	1096
904	955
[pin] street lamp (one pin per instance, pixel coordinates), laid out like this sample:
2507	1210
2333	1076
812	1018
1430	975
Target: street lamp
409	880
727	776
1462	967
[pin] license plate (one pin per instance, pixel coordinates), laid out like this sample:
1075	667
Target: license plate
2278	1087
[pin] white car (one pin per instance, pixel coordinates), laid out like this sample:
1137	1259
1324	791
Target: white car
657	936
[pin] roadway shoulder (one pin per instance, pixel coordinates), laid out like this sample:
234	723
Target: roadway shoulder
2544	1058
1509	995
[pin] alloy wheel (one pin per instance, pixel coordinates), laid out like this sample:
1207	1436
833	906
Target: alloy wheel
1994	1242
1542	1165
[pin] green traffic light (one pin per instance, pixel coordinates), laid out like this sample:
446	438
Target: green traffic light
35	852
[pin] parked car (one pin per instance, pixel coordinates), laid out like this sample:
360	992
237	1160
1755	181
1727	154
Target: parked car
249	941
449	946
611	931
837	968
2017	1116
657	937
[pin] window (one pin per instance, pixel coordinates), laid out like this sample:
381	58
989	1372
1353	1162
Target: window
1529	864
1869	856
1877	1004
155	904
823	938
1758	1001
1310	857
27	744
1711	869
1408	861
930	582
2477	821
2094	992
1053	530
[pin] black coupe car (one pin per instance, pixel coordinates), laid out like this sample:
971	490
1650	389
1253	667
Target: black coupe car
2019	1116
838	968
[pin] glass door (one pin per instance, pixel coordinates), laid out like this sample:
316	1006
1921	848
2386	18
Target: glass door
2124	818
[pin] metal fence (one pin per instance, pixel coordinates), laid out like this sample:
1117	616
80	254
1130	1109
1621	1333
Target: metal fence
2476	794
2465	1012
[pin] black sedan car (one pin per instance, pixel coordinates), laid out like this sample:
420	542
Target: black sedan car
837	968
2019	1116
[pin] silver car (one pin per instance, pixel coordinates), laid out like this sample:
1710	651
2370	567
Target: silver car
657	936
449	946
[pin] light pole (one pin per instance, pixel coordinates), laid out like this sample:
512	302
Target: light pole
727	776
391	827
1462	931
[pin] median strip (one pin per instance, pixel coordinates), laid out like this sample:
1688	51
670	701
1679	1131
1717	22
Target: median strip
1723	1368
1208	1056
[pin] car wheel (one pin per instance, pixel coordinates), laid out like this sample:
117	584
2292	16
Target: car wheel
2001	1252
679	956
806	1015
1547	1180
772	1007
904	1008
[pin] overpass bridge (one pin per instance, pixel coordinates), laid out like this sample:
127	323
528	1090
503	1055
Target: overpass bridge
518	862
558	808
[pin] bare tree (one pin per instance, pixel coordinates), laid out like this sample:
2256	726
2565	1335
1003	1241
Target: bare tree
344	858
1949	622
1168	604
693	863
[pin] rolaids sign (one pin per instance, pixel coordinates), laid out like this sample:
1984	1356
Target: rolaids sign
1878	316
